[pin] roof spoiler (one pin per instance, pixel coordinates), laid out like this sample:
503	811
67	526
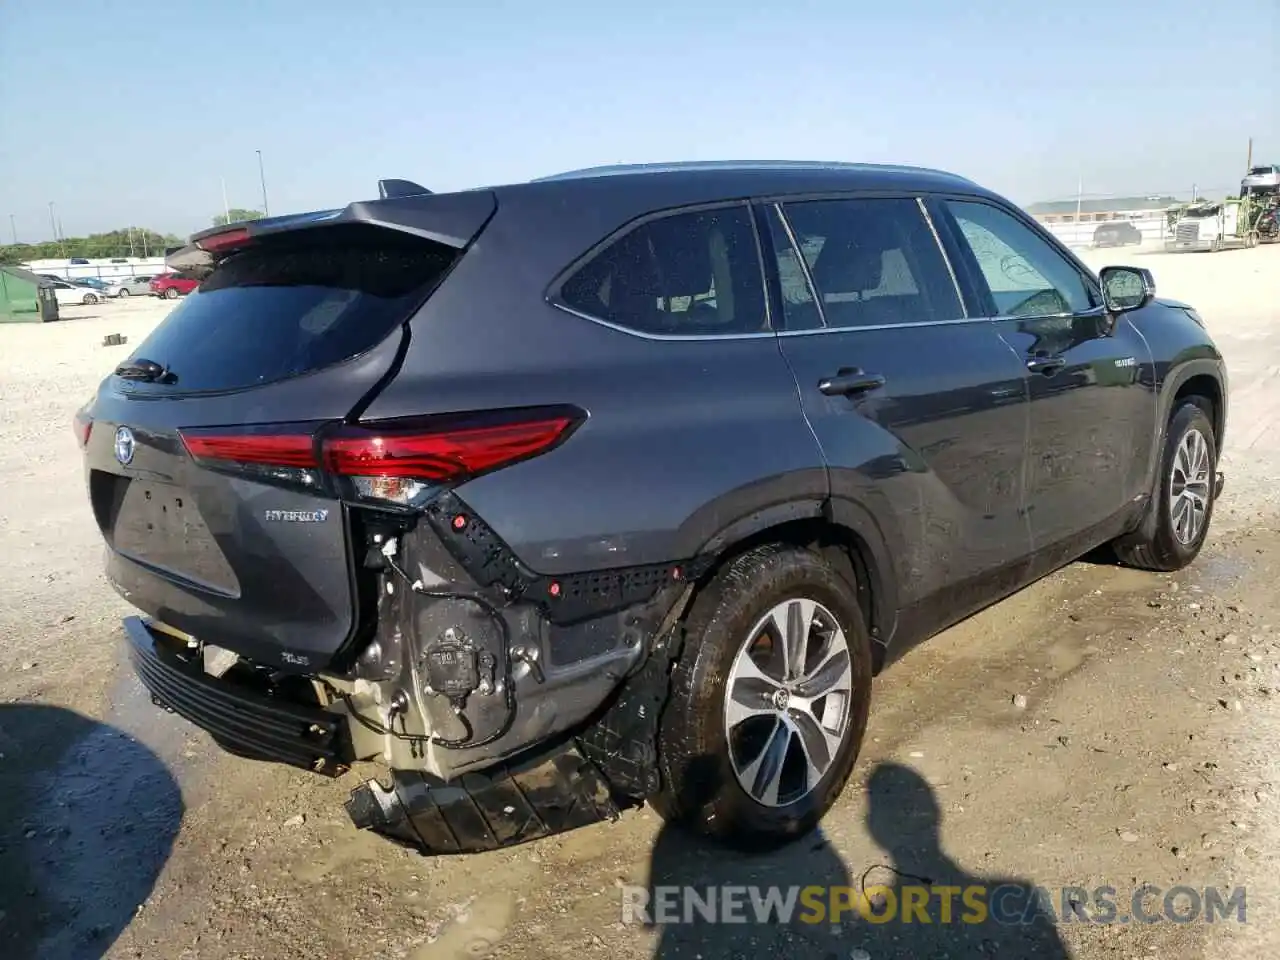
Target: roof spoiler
452	219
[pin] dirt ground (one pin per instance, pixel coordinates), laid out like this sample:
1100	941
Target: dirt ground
1103	727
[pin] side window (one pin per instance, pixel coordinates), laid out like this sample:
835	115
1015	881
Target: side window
1026	275
800	310
687	274
874	262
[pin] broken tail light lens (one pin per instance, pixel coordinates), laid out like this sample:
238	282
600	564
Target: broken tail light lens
390	462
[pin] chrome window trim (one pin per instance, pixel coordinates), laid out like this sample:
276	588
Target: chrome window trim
812	287
700	337
777	204
937	239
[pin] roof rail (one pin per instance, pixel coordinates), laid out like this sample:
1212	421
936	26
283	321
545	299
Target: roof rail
394	189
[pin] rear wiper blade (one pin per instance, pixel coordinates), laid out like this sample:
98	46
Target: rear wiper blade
148	371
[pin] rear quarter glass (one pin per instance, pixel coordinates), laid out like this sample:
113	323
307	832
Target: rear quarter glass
294	305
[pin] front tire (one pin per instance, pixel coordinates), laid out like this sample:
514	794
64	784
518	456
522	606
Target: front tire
122	294
1183	500
171	293
89	298
768	702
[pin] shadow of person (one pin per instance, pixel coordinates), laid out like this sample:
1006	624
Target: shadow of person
988	916
708	901
88	817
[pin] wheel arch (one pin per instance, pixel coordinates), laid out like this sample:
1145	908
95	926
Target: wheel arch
1200	380
843	532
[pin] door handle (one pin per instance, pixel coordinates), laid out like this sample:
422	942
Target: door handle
849	380
1046	365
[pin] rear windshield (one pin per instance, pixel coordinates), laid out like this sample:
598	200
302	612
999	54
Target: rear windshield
294	305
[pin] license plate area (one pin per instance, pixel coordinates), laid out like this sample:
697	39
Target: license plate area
160	525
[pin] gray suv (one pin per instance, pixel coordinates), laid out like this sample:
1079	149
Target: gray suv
619	486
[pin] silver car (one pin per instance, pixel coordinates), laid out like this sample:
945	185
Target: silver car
130	287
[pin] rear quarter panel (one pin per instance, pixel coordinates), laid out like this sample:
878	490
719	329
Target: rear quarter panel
682	439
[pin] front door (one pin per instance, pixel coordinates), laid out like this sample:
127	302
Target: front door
1091	412
920	410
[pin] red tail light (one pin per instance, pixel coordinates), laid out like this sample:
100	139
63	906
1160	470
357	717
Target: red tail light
443	457
82	424
280	450
391	461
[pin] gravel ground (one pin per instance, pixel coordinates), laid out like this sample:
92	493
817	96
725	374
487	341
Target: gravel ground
1101	727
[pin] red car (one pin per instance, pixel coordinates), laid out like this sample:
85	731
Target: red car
170	285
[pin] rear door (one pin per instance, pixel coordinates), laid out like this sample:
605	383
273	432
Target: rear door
920	410
1092	410
201	458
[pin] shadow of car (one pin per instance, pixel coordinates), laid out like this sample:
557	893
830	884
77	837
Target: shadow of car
88	818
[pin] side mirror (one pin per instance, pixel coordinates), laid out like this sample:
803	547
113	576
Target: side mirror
1126	288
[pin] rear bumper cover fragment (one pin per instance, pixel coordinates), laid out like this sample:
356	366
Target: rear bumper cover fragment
485	811
242	721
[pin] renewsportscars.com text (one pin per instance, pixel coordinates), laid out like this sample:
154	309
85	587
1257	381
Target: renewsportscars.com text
1008	904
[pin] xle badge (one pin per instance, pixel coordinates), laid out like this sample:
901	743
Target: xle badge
296	516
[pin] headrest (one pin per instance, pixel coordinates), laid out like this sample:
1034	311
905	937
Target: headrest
850	263
681	256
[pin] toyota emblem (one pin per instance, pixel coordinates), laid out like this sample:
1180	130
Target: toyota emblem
124	445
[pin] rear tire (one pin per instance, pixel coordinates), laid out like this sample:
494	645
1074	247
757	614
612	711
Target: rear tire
171	293
89	298
1183	499
761	768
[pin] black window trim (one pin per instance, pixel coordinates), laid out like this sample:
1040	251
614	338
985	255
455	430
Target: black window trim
981	289
555	288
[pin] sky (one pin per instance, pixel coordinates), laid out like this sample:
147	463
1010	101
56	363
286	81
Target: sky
134	112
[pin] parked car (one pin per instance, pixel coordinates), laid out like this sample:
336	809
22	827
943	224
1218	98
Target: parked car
130	287
171	285
1116	234
93	283
629	498
68	294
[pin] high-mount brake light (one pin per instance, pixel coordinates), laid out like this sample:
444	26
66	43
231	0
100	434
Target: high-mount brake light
224	240
390	462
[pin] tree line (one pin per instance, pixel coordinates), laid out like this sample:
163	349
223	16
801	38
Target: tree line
127	242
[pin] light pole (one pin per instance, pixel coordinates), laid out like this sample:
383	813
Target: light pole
13	228
52	223
266	210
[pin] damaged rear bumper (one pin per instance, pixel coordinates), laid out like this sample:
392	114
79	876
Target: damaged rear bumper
499	808
242	720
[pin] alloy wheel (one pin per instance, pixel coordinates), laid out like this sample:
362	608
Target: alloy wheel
787	703
1189	487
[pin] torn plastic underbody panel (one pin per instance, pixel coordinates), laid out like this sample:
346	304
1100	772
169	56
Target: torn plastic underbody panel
501	807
